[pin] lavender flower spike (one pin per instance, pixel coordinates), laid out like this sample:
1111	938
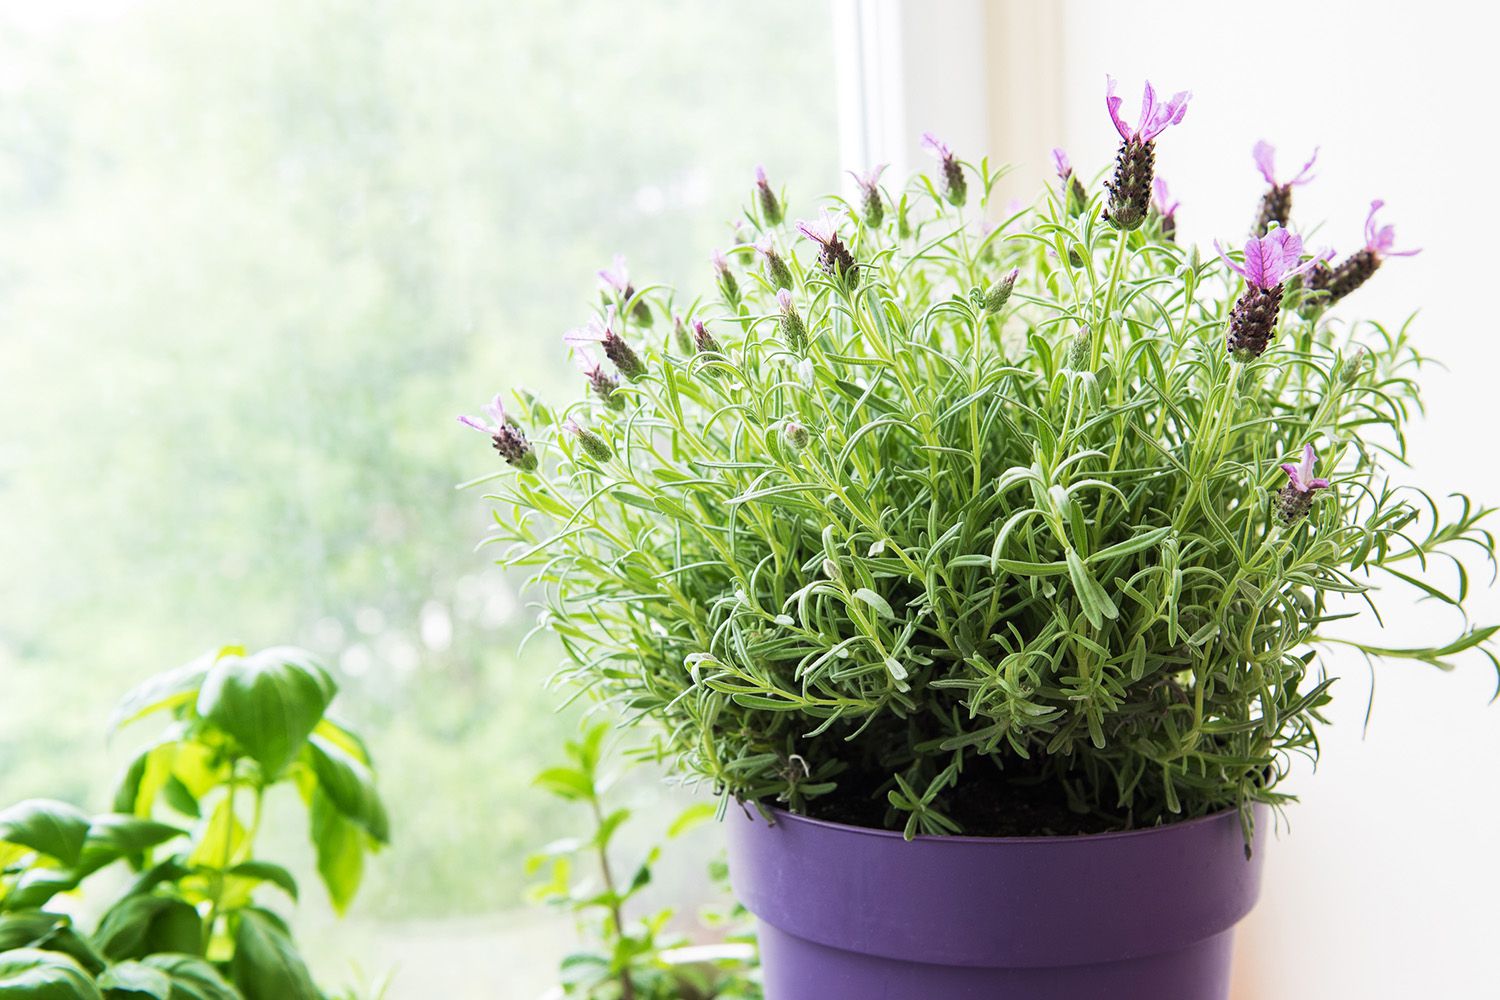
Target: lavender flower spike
1166	209
1276	203
954	187
506	436
603	383
1130	186
602	332
1269	261
834	259
777	273
729	287
869	195
793	330
1295	498
1074	195
1357	268
616	278
770	207
592	444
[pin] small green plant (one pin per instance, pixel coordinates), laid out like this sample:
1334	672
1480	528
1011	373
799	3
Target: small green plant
629	959
945	526
191	923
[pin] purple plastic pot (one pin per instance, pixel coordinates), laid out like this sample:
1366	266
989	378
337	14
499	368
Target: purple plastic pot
847	913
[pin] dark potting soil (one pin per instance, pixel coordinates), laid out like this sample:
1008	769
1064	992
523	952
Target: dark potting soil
989	806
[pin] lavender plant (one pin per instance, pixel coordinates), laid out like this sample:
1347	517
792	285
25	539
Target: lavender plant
1035	528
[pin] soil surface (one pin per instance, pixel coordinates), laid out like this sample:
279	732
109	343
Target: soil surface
989	806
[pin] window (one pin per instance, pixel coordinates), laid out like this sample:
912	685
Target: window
257	257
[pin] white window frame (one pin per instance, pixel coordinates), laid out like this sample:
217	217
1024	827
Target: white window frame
983	75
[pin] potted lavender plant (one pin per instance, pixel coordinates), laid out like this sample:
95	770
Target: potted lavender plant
983	570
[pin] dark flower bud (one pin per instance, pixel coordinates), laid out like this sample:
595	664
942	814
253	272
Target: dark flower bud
777	273
1275	207
1130	186
704	340
617	281
796	435
951	176
994	300
1252	322
593	445
681	335
1276	203
790	324
603	383
1295	499
834	259
1075	198
1081	350
870	203
506	437
620	354
728	286
770	208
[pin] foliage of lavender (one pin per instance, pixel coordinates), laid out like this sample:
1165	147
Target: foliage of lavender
930	537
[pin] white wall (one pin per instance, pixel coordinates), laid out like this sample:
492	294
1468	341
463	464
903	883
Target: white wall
1387	885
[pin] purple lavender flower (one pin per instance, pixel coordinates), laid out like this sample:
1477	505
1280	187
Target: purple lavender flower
602	332
954	188
505	435
1357	268
770	207
994	300
777	273
1276	203
1063	166
616	279
603	383
592	444
704	340
1166	209
790	324
1075	198
834	258
1269	261
1296	497
1130	186
728	286
870	201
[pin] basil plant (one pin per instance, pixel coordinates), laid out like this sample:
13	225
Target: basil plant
193	921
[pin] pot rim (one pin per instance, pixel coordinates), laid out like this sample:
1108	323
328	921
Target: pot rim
752	809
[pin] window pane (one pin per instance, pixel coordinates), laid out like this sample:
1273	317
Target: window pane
256	258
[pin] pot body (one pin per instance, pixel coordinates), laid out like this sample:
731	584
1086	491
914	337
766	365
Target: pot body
847	913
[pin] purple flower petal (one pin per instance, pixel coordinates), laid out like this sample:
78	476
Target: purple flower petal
1382	239
936	146
784	299
1113	104
495	410
760	176
820	232
1265	159
1060	162
1305	174
1164	203
476	424
1236	268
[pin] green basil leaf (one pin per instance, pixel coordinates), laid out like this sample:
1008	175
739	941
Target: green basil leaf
266	965
55	829
34	974
268	702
